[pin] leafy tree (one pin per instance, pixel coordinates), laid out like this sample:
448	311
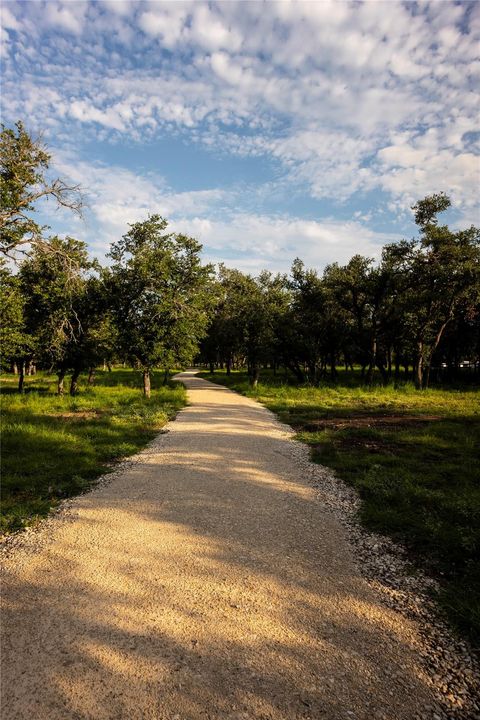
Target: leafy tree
24	163
306	323
443	276
16	344
225	341
161	296
54	288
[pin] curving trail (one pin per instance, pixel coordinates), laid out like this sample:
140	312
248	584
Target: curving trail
205	581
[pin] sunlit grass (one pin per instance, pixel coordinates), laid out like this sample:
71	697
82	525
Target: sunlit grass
54	447
419	483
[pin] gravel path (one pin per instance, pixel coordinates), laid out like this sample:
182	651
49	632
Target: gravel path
205	580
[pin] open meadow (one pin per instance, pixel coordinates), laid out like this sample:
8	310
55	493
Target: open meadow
55	446
413	456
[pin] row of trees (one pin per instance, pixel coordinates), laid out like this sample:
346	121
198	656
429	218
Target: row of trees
157	305
418	308
150	307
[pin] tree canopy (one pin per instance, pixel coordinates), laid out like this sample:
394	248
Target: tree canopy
24	164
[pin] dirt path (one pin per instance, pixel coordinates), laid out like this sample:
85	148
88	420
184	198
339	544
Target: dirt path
206	581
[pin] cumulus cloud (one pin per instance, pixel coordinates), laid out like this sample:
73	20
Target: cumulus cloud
116	197
346	98
67	16
254	242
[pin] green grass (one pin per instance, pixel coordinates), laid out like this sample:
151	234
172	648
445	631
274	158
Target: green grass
54	447
419	481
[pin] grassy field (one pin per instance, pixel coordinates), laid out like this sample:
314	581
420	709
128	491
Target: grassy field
54	447
414	458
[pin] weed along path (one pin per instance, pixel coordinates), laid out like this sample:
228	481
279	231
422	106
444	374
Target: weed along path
203	581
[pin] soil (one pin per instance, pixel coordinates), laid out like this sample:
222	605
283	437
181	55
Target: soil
367	421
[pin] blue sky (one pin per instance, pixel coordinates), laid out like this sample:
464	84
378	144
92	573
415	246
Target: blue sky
266	130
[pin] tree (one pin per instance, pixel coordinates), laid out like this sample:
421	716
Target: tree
24	163
245	321
161	297
54	283
306	324
15	342
443	276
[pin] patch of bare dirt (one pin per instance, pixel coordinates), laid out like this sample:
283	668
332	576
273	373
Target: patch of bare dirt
367	421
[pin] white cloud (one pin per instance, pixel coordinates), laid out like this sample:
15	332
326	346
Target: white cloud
342	95
8	19
117	197
68	16
111	117
208	30
118	7
256	242
423	164
167	25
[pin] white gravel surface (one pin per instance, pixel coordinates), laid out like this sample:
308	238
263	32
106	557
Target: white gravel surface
218	574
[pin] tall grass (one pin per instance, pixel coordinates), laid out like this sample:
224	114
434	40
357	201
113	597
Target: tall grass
54	447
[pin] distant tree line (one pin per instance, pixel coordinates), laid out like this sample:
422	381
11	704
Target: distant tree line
416	313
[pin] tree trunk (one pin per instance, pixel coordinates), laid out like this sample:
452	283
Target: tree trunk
14	367
61	378
166	376
91	375
104	366
296	370
110	367
397	365
383	371
371	364
426	369
228	365
212	367
74	381
146	383
426	377
254	375
21	377
389	362
333	369
419	368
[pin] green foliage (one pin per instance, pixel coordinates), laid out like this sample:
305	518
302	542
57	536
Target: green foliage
381	316
160	295
15	342
418	477
247	319
53	284
23	183
54	446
